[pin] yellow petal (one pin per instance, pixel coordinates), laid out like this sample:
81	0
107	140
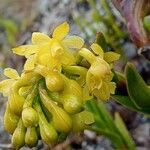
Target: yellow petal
103	93
44	49
111	56
11	73
40	38
6	85
61	31
97	50
87	54
86	93
30	63
73	42
93	82
25	50
100	68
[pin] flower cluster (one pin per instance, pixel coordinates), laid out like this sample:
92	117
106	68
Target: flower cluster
47	100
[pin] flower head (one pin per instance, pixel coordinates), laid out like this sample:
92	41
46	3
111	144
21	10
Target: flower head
52	52
6	84
99	75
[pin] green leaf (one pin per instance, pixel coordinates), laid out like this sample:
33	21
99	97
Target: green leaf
124	133
105	125
102	116
126	101
137	88
114	137
100	40
90	106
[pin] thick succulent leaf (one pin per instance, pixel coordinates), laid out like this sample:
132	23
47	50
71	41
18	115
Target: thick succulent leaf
137	88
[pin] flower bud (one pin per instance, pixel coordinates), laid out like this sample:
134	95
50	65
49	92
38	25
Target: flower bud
47	131
54	82
29	117
82	120
31	137
16	102
72	103
71	97
10	120
18	138
61	120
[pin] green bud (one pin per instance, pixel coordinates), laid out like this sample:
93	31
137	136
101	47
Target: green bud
18	138
29	117
16	102
54	82
10	120
47	131
71	97
82	120
72	104
53	79
61	120
31	137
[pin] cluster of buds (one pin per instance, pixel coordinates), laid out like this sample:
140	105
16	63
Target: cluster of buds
59	76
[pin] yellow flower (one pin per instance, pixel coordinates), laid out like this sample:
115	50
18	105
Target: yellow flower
51	52
7	84
99	75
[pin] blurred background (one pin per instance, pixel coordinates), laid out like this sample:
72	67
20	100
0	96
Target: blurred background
19	18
